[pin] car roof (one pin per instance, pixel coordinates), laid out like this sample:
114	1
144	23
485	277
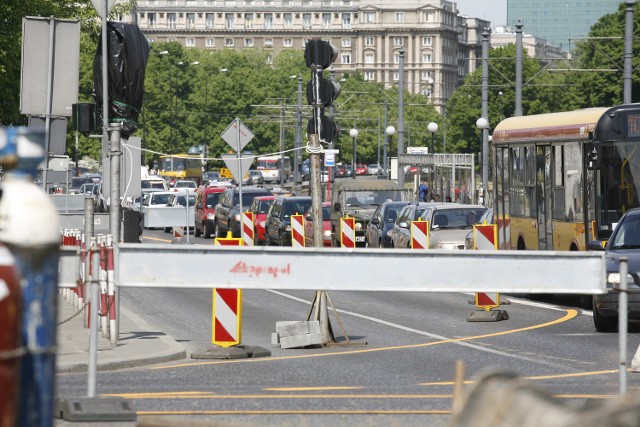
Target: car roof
441	206
265	198
294	198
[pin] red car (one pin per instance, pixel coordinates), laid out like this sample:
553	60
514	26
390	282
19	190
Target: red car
326	225
362	170
259	207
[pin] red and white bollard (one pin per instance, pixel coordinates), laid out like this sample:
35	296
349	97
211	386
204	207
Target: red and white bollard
347	232
419	234
102	277
247	228
111	293
297	231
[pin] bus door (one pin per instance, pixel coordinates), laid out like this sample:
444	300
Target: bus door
543	199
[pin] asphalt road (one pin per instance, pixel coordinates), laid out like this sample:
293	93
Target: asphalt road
397	367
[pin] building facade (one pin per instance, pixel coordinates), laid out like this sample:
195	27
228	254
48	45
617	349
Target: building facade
440	45
559	22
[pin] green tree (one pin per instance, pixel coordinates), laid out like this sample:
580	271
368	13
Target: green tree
604	50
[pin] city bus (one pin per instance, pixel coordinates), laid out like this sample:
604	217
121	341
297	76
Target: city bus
563	179
180	166
272	167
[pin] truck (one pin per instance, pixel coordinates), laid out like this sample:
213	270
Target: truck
359	198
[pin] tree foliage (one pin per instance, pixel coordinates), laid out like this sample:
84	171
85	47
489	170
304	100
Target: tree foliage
192	95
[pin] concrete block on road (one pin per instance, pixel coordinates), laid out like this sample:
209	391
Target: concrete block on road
286	329
275	339
297	341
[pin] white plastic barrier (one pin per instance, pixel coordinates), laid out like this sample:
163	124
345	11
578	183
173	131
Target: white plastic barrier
154	265
162	216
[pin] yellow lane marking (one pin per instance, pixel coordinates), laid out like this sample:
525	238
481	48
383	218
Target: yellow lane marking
540	377
283	396
587	396
300	412
570	314
163	395
311	388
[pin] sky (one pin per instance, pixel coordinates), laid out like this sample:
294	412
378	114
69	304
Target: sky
491	10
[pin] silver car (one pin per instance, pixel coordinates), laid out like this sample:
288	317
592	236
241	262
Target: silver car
450	223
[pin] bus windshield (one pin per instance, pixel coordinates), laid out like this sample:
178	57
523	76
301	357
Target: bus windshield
267	164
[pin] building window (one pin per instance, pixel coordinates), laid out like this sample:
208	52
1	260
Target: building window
248	20
370	17
396	58
268	42
306	21
210	3
368	58
171	20
210	20
269	60
346	20
151	19
287	42
286	2
288	19
426	75
327	2
268	21
369	41
191	20
210	43
346	42
398	41
306	3
229	3
248	2
427	41
326	20
228	42
268	3
396	76
190	42
248	42
369	76
399	16
191	3
228	20
345	58
151	2
346	2
426	58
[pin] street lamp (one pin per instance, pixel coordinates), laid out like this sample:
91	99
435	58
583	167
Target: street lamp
483	124
432	128
389	131
500	95
354	134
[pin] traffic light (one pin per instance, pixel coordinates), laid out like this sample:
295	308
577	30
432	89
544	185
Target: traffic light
321	92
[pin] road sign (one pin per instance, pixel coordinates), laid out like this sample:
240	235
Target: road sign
237	165
237	135
99	5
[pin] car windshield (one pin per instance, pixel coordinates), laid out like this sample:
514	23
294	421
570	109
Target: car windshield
185	184
160	199
456	218
247	198
263	206
181	201
296	208
212	199
368	197
627	234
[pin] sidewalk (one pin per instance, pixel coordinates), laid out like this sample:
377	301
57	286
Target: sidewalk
139	344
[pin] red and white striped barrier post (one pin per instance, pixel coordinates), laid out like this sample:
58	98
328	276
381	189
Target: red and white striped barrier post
102	277
485	237
247	228
504	232
81	281
226	322
419	234
178	232
111	293
297	231
347	232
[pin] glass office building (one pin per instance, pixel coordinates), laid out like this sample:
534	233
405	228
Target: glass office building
558	21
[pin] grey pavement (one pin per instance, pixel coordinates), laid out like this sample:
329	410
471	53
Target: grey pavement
139	343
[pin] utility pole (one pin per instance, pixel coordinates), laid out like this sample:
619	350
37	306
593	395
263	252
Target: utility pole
298	142
282	137
518	106
628	51
401	117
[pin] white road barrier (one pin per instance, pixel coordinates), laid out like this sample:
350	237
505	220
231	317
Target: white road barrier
154	265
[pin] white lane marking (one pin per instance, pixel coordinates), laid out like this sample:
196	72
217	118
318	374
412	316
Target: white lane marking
430	335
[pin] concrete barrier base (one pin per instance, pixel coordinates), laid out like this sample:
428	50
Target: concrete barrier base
487	316
234	352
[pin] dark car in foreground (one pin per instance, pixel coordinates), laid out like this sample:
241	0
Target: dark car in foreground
227	211
278	221
624	242
377	234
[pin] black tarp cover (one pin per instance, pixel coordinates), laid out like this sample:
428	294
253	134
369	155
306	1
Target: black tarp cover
128	51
